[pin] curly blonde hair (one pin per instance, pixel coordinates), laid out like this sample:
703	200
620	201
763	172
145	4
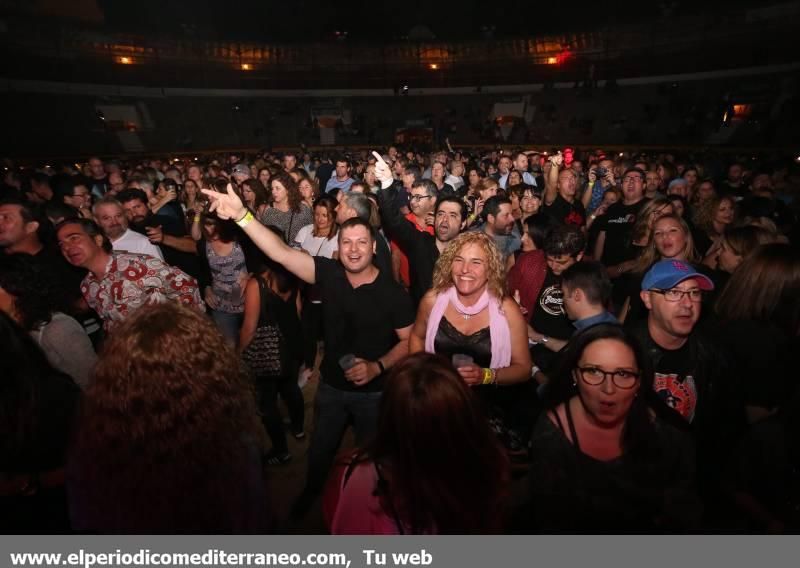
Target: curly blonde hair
704	214
495	267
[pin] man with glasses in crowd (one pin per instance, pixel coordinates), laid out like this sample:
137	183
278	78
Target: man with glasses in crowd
672	291
423	246
692	386
75	193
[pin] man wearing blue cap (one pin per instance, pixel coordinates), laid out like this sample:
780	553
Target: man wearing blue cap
692	380
673	291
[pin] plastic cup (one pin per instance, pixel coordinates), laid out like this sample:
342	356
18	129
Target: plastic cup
347	361
461	360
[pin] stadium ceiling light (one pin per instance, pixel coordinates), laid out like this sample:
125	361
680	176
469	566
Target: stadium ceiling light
434	66
552	60
125	60
247	67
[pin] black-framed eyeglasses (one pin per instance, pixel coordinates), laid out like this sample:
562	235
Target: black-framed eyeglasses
622	378
676	295
628	179
419	197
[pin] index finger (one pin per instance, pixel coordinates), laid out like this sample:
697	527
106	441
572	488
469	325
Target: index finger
378	157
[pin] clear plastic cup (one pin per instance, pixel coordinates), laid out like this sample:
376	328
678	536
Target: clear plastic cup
461	360
347	361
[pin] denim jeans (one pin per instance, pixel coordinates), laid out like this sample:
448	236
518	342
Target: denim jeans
333	409
268	389
229	324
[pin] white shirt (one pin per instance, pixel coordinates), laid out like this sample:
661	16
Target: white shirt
134	243
316	246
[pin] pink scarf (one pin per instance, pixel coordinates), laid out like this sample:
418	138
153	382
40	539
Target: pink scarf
498	324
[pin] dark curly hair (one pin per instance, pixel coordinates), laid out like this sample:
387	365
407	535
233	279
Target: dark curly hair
169	432
34	288
295	198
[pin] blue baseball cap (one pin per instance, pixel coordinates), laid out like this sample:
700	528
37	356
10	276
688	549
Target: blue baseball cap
667	274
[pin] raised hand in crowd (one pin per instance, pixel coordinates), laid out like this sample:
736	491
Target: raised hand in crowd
382	170
226	205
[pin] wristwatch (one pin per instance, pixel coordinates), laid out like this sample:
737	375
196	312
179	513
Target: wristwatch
544	339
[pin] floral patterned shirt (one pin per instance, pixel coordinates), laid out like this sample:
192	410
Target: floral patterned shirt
132	281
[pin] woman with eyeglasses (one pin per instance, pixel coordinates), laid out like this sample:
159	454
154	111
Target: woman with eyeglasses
601	459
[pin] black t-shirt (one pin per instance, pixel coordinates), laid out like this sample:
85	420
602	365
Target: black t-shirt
188	262
550	319
618	225
359	321
565	212
675	383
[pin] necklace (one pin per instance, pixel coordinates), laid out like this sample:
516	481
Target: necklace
466	315
468	311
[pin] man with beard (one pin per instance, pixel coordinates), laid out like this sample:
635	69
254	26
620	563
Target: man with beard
368	318
169	234
498	223
422	247
108	213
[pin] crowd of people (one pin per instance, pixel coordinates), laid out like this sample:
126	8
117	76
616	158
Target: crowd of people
614	331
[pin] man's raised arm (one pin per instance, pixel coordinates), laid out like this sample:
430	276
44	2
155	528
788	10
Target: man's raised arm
229	206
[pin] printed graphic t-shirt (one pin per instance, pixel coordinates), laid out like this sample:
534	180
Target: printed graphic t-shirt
550	319
675	382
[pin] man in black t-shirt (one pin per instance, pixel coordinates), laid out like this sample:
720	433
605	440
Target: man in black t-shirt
563	247
368	319
561	201
613	244
673	291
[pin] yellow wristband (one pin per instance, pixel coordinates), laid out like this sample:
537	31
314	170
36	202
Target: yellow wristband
487	376
244	221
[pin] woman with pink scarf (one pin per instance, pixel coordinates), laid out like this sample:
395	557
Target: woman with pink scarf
468	318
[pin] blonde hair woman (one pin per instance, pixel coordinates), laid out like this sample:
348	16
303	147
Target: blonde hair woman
468	313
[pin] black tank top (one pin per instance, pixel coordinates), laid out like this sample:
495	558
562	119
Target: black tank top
449	341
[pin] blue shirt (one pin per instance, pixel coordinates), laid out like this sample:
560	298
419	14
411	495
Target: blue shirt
344	185
603	317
